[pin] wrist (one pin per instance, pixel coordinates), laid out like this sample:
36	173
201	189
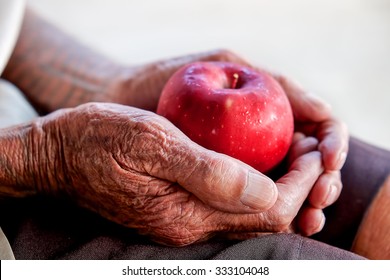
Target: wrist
15	180
30	160
45	164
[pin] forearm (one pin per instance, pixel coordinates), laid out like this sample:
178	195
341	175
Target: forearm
55	71
15	179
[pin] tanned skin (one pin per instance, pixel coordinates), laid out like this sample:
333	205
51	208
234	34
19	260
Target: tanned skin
373	240
133	166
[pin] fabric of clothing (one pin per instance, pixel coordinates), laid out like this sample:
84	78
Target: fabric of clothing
14	108
5	249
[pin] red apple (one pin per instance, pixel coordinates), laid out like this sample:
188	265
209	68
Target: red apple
231	109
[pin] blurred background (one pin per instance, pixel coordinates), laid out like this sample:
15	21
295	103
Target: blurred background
337	49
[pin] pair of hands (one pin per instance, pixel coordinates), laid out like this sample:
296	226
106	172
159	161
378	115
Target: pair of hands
137	169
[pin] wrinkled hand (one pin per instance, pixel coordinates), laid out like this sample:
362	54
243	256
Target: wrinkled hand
313	118
135	168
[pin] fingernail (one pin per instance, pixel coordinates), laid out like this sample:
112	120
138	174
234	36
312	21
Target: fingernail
260	192
341	160
321	224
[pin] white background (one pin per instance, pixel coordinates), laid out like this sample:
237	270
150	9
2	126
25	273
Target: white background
337	49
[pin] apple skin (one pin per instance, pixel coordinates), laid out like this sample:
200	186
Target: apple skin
247	116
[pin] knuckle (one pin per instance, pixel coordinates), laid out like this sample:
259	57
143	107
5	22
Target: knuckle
282	79
92	108
226	55
281	217
278	221
286	83
283	221
150	144
206	168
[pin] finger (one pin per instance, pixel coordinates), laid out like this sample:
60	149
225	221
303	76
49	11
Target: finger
218	180
334	140
297	136
306	107
310	221
293	188
228	184
296	185
300	147
326	190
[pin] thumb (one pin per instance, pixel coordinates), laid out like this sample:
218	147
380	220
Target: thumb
222	182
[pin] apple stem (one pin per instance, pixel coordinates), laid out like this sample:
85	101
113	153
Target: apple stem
235	80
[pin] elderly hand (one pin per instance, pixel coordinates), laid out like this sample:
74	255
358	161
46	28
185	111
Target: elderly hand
135	168
313	118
